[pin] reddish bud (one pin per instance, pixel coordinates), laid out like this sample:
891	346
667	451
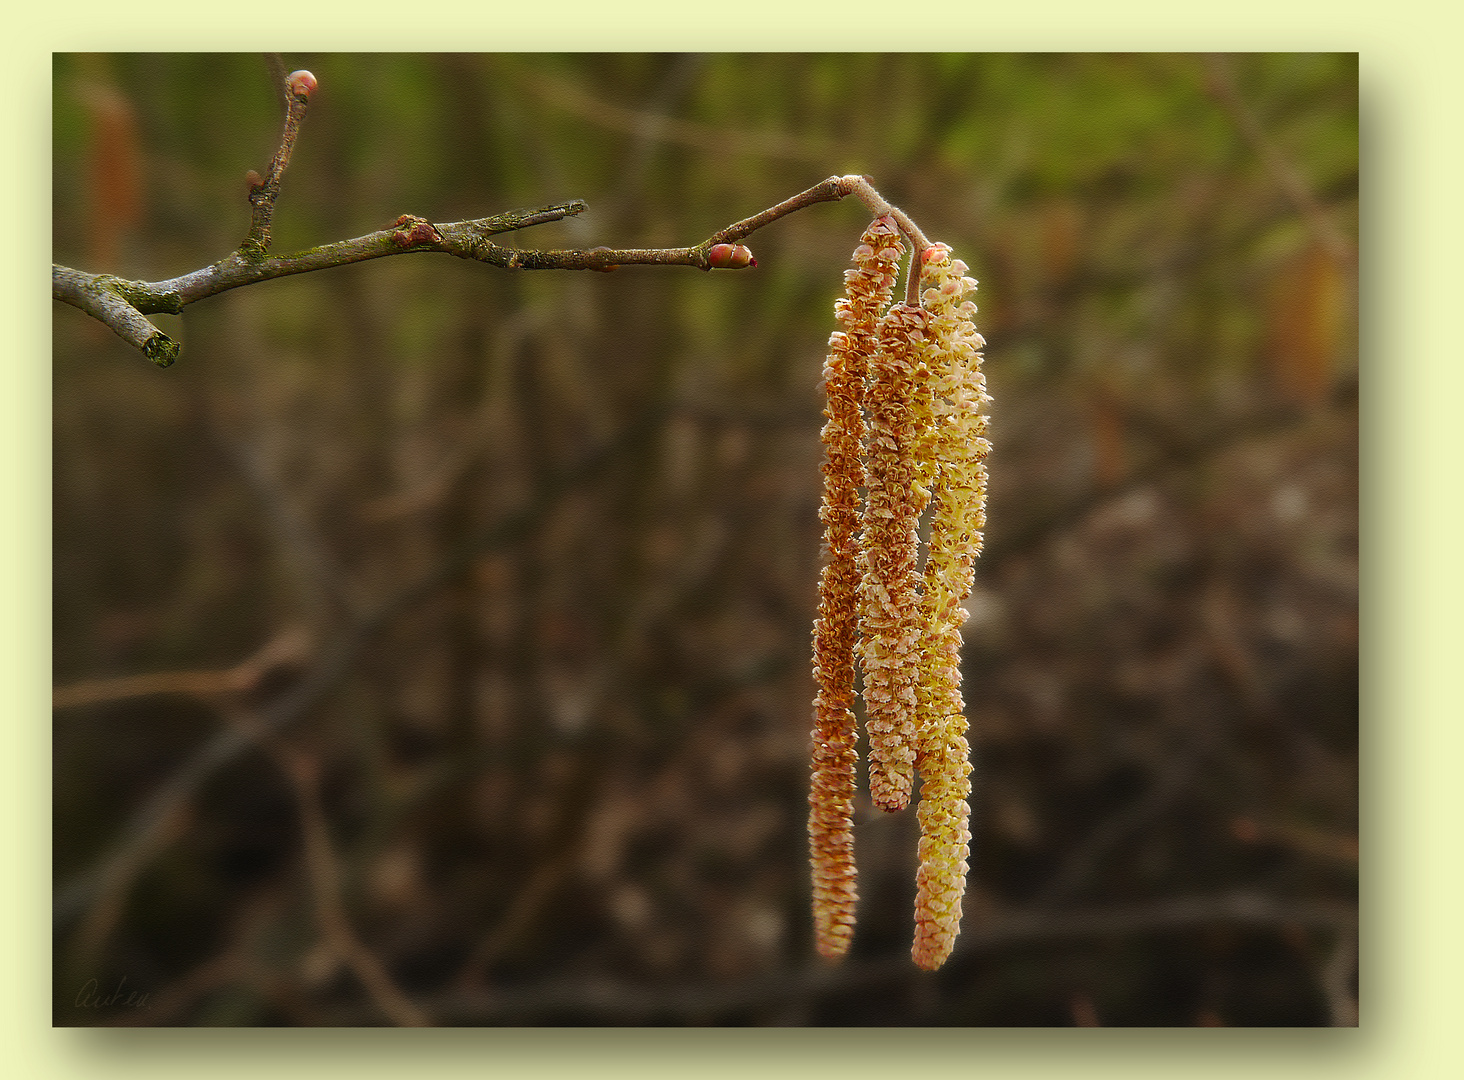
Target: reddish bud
301	84
422	231
253	180
730	256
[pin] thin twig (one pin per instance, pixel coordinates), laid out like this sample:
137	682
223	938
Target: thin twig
276	64
522	911
113	882
264	193
1222	86
325	883
287	649
723	142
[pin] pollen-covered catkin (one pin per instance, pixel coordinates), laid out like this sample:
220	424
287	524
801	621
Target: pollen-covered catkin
898	493
835	630
955	440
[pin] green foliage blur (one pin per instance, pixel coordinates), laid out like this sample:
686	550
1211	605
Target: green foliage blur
580	760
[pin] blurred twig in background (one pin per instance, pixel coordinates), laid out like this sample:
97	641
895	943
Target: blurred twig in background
325	880
1222	84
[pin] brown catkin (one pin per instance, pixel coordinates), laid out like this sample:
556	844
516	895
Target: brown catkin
954	441
835	631
898	493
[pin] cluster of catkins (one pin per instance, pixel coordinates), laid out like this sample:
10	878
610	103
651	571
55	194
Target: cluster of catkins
906	423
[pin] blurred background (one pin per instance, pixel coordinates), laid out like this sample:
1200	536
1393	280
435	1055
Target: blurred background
512	574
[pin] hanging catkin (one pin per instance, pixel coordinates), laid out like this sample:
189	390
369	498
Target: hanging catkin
922	434
890	645
955	442
835	630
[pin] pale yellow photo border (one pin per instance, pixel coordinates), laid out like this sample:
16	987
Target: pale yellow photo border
1411	92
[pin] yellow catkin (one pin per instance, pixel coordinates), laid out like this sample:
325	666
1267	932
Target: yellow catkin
954	440
835	630
898	494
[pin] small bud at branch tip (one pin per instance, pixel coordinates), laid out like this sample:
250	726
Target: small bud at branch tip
301	84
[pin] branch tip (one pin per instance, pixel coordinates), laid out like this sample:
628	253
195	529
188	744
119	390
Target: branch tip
161	349
301	84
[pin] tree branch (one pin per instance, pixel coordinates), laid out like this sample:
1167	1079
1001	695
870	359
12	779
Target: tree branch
122	304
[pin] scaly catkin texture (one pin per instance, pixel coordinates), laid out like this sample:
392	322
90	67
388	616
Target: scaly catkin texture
955	440
898	494
835	631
